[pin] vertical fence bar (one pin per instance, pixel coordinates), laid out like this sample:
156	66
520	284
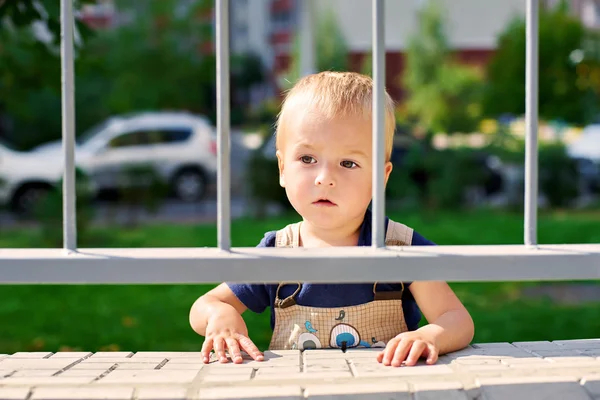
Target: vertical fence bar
223	127
531	123
307	38
378	233
68	124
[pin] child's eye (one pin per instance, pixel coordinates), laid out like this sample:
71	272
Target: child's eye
307	159
348	164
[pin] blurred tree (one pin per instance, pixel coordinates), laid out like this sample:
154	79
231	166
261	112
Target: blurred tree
560	36
155	57
442	94
332	49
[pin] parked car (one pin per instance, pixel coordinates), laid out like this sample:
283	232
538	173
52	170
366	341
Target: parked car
180	148
25	178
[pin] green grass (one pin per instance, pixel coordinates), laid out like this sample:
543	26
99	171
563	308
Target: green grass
155	317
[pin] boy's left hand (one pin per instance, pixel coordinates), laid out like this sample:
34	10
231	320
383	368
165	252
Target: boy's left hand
409	347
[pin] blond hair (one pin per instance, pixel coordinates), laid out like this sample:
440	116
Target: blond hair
335	95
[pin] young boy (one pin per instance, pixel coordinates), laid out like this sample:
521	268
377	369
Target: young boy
324	151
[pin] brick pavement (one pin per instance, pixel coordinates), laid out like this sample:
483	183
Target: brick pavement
523	370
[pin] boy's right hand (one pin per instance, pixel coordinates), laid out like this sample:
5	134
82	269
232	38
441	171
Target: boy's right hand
226	330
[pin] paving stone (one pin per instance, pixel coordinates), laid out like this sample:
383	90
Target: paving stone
277	371
161	393
92	366
175	364
181	360
49	380
227	378
369	390
306	376
526	360
83	372
541	345
326	365
334	355
579	344
25	363
70	354
589	353
34	373
78	393
112	354
381	370
168	354
498	345
498	367
575	359
31	354
216	371
6	372
483	367
274	392
437	385
153	360
3	356
557	353
136	366
14	393
591	384
152	376
546	389
477	361
450	394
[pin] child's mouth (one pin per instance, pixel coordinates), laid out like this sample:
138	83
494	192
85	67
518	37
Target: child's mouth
324	203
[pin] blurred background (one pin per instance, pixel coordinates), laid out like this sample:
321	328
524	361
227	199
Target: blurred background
146	147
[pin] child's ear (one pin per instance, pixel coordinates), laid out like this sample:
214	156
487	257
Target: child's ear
387	171
280	165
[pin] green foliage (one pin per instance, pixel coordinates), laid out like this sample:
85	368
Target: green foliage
263	181
143	189
23	13
437	179
331	49
49	212
558	176
560	34
443	95
155	61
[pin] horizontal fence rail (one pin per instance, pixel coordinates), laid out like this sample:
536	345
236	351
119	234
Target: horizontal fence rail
342	264
337	264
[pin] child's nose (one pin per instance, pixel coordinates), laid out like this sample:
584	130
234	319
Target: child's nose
325	178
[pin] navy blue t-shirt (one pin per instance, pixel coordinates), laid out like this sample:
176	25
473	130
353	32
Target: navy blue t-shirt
257	297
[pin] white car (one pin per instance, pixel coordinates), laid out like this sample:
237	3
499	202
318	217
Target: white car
587	145
25	177
179	147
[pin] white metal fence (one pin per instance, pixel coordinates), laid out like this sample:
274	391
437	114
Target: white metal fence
355	264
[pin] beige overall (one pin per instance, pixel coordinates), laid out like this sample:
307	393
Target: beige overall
371	324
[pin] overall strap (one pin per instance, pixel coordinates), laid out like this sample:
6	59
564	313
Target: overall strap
288	236
398	234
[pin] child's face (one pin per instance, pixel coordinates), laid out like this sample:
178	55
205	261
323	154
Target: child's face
326	168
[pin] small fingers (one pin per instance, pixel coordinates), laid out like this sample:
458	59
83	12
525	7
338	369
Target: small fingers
206	349
417	348
401	352
250	348
390	349
219	345
234	350
432	354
